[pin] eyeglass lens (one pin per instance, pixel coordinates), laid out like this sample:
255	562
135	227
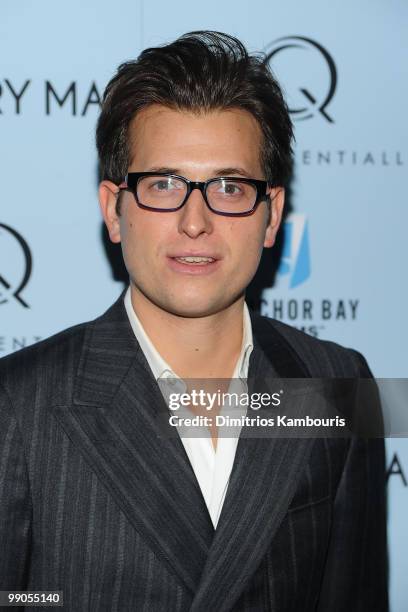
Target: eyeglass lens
166	192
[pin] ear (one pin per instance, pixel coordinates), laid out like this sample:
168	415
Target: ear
108	196
277	196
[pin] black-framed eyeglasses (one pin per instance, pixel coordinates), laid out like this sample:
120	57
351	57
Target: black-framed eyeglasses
162	192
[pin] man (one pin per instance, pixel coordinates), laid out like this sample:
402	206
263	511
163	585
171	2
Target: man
194	142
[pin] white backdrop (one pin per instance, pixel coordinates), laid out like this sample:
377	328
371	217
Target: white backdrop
342	274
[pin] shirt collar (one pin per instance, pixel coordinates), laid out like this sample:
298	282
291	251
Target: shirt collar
161	368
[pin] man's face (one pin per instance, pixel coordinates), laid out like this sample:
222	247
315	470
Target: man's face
198	147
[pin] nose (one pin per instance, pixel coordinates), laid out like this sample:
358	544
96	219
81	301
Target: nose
195	217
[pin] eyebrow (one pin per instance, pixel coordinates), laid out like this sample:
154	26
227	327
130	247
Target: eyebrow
230	171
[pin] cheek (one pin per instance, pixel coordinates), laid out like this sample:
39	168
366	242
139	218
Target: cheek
247	240
142	237
132	238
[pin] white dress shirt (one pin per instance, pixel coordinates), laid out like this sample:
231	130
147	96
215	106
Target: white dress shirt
212	468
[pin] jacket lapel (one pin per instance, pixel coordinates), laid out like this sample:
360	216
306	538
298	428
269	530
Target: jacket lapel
115	423
262	484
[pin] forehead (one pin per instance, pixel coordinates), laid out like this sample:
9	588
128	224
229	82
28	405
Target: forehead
161	136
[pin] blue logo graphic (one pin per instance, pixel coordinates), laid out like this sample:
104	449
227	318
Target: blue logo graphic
295	266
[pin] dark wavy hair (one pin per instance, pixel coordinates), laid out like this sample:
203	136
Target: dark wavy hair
199	72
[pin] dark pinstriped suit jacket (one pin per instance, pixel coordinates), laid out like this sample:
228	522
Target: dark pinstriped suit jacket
93	503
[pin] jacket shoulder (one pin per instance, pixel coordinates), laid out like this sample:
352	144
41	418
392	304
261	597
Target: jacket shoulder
54	358
323	358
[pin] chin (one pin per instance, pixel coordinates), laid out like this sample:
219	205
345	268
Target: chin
190	311
197	306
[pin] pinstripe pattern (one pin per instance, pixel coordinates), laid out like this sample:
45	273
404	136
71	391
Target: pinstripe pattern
94	502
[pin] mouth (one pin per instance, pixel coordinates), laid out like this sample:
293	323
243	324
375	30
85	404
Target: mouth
193	264
196	260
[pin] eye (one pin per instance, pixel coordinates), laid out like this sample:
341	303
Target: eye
229	188
162	185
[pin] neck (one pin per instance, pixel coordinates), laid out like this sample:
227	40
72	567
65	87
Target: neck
194	347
